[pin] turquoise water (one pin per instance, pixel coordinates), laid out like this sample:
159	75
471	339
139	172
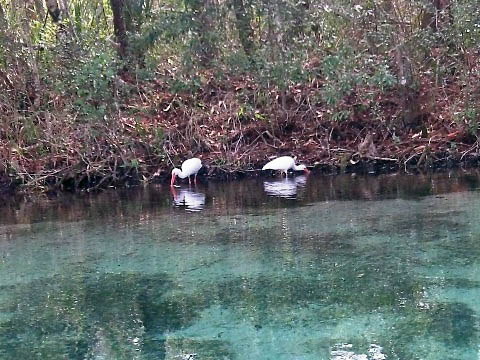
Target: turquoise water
348	267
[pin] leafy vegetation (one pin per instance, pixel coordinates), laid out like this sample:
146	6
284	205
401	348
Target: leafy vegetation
103	92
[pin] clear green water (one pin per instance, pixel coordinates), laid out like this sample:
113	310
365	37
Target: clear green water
339	268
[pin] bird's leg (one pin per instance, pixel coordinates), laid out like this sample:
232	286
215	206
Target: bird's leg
195	179
189	180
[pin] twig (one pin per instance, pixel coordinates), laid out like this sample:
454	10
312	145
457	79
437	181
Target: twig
410	158
383	158
469	150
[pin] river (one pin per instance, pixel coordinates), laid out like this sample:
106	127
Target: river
321	267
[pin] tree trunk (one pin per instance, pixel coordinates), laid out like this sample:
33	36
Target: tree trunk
118	7
66	12
433	19
30	9
275	32
208	47
133	11
245	31
40	9
3	19
203	12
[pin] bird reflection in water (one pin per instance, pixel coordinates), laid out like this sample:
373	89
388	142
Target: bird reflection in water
286	187
190	199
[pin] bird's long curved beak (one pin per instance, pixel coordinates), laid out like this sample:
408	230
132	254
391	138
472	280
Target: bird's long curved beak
172	182
173	192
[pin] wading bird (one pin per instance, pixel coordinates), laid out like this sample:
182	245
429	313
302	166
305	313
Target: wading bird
285	163
189	167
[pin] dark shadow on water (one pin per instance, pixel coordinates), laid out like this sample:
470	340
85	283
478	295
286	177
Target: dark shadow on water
237	196
119	316
111	316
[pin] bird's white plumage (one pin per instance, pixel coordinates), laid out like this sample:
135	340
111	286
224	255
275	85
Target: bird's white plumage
189	167
283	163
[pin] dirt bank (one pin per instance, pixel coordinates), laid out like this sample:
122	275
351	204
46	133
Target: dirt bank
234	133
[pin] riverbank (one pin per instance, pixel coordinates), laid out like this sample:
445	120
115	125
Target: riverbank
154	129
100	95
351	162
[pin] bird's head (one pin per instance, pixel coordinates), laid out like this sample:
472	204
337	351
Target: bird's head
302	168
175	173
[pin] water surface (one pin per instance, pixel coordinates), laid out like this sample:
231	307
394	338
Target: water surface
346	267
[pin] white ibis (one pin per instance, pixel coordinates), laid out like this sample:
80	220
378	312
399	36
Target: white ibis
285	163
189	167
